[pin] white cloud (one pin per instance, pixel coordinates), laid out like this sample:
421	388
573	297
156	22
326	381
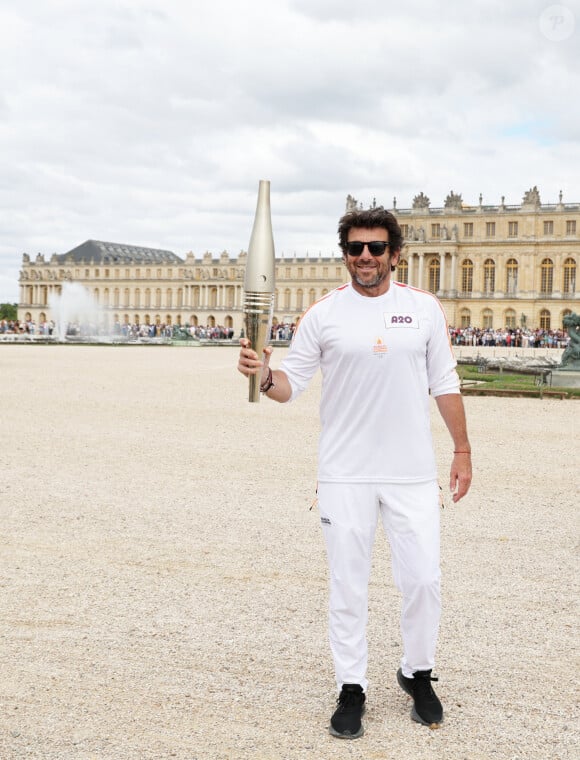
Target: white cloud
151	123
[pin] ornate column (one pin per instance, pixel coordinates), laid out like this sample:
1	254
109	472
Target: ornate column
442	273
453	289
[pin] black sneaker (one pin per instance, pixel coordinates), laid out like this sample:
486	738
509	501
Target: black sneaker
427	708
346	721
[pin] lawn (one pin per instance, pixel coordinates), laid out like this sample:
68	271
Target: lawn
477	379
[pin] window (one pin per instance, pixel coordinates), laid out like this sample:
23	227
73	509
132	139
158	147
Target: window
169	298
465	318
434	275
489	276
490	229
512	229
127	301
571	227
287	273
137	274
148	298
511	284
312	272
510	319
159	274
339	272
107	272
487	319
170	273
468	229
569	276
116	298
548	228
545	319
546	276
467	276
137	303
299	299
287	298
405	230
403	271
300	273
436	230
158	296
565	313
87	273
311	296
325	272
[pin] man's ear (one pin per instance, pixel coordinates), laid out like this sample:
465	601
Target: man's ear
395	259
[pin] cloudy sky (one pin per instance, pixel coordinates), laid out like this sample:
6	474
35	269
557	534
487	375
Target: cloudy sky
150	122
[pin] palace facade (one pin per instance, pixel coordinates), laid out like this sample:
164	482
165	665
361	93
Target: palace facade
491	267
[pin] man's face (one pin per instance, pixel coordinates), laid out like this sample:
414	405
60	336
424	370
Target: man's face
370	274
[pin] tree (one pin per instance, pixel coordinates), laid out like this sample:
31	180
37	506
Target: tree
8	311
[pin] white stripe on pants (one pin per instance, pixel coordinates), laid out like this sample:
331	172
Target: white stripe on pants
410	516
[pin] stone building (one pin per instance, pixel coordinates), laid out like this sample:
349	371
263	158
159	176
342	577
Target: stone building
490	265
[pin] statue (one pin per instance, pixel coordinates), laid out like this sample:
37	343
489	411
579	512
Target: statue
571	356
421	201
351	203
454	201
421	235
454	232
532	197
181	333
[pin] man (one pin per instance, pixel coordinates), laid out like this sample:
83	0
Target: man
382	348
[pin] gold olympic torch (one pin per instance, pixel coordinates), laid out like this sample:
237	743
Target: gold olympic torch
259	282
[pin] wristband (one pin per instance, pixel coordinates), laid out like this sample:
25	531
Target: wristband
462	452
265	387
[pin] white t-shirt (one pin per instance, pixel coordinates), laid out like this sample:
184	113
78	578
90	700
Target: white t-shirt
380	357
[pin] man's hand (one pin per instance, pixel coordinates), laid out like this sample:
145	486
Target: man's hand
450	407
460	476
249	363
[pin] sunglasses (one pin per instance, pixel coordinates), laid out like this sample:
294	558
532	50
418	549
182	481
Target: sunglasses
376	248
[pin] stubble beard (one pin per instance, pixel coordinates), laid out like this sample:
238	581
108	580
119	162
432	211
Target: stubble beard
380	278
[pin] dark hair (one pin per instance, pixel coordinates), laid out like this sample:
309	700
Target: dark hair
372	217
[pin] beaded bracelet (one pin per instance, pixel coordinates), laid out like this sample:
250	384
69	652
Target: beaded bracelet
265	387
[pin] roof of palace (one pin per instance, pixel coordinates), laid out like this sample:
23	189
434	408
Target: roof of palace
99	252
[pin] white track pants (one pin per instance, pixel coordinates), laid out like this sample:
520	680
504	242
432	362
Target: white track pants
410	516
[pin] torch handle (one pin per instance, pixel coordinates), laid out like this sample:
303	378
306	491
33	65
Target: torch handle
258	308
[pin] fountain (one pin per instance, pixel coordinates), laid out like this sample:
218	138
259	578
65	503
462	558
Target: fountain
74	305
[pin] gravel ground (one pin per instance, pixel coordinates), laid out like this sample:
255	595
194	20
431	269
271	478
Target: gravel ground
163	581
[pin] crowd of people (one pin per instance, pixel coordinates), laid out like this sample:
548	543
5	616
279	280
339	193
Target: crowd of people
517	338
460	336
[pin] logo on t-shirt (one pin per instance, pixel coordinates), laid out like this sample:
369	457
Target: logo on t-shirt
379	349
398	319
